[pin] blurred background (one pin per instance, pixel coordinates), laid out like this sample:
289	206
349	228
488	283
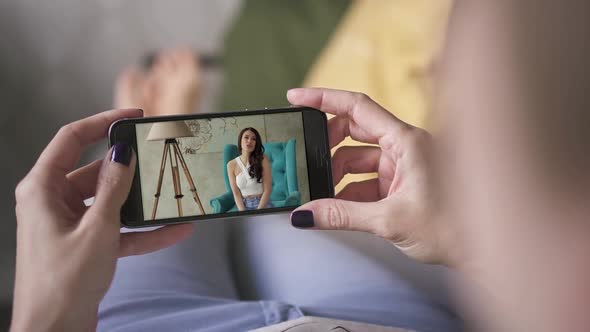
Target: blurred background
59	61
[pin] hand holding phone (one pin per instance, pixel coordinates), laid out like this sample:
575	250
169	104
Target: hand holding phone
400	204
55	226
210	166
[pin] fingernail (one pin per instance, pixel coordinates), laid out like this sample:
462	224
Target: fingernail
302	219
121	153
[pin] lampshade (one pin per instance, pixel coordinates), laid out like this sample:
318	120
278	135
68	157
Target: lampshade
169	129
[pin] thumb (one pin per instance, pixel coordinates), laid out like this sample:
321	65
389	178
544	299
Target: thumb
339	214
114	183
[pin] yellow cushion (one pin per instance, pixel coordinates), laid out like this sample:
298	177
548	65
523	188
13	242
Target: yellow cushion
386	49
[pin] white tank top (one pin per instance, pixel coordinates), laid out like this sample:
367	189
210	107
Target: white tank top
248	185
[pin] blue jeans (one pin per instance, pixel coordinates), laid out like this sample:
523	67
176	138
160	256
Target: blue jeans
251	203
261	271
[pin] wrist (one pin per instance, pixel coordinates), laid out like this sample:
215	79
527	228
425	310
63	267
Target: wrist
44	317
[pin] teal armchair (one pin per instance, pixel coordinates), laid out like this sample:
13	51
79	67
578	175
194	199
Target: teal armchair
283	163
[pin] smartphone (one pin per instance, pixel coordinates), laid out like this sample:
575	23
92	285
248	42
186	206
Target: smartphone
220	165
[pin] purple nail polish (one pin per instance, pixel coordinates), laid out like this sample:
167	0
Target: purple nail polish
302	219
121	153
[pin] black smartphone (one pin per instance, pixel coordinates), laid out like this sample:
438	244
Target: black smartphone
220	165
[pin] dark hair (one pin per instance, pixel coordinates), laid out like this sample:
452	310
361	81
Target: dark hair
256	156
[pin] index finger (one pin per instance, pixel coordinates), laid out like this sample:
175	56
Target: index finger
369	120
63	152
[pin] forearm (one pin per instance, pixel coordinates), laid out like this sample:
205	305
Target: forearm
239	202
266	187
46	317
264	199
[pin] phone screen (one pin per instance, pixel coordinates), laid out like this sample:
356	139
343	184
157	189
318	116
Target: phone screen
220	165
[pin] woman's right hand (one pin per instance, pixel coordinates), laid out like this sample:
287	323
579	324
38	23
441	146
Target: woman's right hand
67	252
399	205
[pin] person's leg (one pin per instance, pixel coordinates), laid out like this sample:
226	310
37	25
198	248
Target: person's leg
185	287
345	275
192	313
251	203
197	265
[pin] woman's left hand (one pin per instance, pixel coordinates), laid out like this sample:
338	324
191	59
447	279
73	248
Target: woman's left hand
402	203
67	252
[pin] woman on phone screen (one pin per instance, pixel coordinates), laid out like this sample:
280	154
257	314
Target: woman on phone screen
250	174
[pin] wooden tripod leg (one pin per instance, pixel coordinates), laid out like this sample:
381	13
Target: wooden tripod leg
176	179
189	178
159	186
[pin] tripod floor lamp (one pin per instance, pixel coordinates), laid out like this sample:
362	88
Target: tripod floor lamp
168	132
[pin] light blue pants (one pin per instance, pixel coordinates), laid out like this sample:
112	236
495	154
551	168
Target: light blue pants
249	273
251	203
